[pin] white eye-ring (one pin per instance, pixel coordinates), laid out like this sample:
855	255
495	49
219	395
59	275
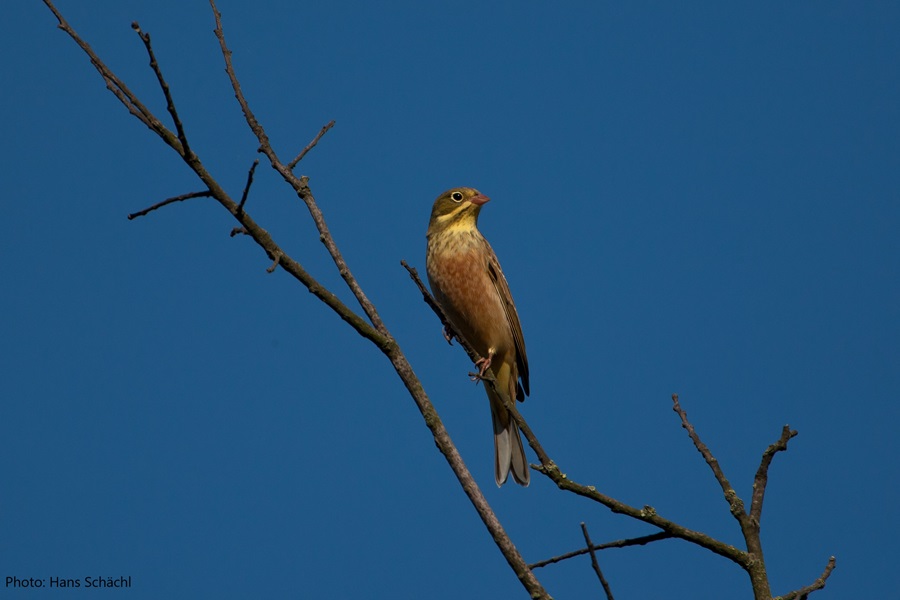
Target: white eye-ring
456	196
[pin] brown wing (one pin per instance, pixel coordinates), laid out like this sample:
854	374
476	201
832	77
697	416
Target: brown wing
511	316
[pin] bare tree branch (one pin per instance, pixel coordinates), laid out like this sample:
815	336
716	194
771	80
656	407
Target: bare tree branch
118	87
275	261
762	474
164	86
300	184
595	564
548	467
751	560
247	186
372	328
248	225
376	332
735	504
818	584
167	201
638	541
310	146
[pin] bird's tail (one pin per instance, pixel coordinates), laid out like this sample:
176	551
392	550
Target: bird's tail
509	454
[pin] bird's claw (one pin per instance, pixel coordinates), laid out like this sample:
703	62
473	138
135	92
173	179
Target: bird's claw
477	377
483	365
448	334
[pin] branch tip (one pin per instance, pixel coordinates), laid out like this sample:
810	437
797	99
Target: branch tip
182	197
736	505
804	592
240	207
310	145
276	260
181	146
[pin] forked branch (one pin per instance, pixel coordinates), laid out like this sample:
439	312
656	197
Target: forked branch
750	560
376	332
372	328
299	184
170	104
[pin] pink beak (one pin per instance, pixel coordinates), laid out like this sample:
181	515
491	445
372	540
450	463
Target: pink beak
479	200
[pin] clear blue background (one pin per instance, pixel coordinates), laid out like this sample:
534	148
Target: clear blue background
699	199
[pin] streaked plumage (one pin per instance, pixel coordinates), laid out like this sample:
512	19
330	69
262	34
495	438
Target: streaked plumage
467	282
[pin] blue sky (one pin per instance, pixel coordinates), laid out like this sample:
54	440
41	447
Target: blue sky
700	199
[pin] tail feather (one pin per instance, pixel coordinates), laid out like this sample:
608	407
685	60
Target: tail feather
509	453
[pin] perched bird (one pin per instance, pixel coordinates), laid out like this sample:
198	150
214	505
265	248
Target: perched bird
467	282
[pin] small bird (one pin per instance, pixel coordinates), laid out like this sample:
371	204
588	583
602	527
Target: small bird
467	282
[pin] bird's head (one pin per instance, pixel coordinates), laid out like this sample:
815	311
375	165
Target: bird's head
457	208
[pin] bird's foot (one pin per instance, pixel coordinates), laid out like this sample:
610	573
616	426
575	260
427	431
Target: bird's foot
483	365
476	377
448	335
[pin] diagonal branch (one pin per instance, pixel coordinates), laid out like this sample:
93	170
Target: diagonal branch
300	184
735	504
646	514
374	330
377	334
260	235
118	87
167	201
170	104
549	468
247	186
762	474
804	592
595	564
311	145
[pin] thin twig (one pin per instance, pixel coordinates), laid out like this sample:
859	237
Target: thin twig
736	505
646	514
117	86
762	474
247	186
377	334
547	467
595	564
170	104
386	342
818	584
276	260
754	561
259	235
638	541
299	184
188	196
310	146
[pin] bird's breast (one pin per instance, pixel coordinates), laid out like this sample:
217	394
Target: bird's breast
456	263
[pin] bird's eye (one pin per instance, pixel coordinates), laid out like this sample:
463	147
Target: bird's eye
456	196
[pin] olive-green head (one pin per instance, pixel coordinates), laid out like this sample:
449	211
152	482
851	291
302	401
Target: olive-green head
457	208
